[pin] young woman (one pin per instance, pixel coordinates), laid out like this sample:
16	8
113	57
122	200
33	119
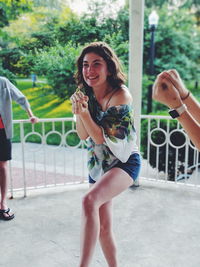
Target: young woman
102	105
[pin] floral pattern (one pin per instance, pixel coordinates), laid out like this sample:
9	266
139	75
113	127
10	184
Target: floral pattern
119	134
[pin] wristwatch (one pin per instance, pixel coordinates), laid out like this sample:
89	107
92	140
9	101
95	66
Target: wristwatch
175	113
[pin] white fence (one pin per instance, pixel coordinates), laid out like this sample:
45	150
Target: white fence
43	164
167	153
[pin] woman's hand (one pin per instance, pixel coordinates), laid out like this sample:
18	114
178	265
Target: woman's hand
165	92
79	103
174	77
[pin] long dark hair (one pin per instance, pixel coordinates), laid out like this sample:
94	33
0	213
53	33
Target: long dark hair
116	77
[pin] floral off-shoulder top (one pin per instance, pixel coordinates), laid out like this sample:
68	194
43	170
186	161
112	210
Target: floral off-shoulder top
119	134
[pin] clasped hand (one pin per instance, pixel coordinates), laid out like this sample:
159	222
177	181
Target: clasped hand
169	89
79	103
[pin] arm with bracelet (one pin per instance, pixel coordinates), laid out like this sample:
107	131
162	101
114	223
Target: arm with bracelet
186	96
170	90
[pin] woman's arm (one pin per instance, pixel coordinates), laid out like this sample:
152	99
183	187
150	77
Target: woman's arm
191	126
165	92
193	107
119	98
86	125
82	133
186	96
93	129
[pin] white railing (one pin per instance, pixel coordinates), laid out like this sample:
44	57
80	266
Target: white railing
167	151
43	164
167	154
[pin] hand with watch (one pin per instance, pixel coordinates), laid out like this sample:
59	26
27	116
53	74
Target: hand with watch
165	92
176	112
169	89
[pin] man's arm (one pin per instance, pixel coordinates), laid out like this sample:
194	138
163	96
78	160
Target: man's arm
18	97
32	118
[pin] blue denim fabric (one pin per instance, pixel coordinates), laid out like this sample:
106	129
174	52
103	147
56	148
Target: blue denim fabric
132	167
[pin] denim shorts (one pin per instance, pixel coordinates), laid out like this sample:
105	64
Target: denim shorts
132	167
5	146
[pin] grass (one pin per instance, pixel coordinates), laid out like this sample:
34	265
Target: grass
47	105
43	105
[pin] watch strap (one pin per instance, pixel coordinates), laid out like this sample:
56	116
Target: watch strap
174	113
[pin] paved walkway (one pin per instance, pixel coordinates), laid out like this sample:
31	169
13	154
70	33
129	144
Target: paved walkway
156	225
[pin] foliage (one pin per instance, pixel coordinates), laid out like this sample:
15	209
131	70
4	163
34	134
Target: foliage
120	47
8	74
58	65
45	29
10	57
78	31
11	9
23	29
174	48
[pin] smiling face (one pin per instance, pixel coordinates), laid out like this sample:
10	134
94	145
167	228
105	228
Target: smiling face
94	70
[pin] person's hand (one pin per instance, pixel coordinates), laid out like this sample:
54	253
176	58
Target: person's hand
79	103
174	77
33	119
165	92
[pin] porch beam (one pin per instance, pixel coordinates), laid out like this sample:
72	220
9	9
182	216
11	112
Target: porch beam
136	26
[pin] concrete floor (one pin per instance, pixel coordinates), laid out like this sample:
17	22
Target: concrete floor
156	225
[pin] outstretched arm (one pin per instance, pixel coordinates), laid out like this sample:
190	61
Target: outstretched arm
17	95
32	118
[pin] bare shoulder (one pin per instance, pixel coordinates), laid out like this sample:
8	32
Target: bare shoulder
121	97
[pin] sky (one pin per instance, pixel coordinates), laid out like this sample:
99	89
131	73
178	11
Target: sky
80	6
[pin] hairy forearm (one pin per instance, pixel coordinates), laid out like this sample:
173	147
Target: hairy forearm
193	107
94	131
192	128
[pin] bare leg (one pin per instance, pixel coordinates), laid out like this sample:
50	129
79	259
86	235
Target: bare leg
4	190
106	234
3	183
111	184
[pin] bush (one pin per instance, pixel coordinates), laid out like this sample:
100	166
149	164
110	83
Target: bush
58	65
8	74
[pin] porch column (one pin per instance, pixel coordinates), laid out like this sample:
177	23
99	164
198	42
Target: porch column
136	26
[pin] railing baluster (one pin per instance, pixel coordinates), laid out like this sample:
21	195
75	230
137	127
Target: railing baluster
63	161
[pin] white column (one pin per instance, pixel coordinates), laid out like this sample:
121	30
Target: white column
136	26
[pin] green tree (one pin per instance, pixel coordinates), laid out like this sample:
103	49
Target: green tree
58	66
174	48
11	9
